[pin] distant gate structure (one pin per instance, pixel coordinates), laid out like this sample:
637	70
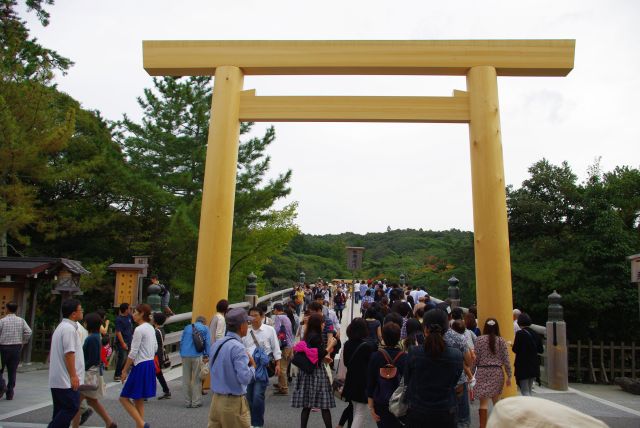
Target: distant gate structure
481	61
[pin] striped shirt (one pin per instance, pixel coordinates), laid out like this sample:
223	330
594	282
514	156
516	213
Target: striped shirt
14	330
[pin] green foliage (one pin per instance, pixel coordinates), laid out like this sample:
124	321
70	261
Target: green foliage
574	238
426	258
168	148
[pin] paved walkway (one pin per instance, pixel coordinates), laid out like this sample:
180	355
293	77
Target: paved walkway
31	406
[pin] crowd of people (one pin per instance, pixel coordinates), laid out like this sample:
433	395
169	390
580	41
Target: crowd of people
403	348
438	353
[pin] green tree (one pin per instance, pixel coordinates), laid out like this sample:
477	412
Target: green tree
30	134
169	147
574	238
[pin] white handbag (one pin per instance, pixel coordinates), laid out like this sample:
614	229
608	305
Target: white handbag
397	403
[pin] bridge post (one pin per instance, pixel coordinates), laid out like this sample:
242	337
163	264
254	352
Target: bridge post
251	294
453	291
557	366
491	230
218	193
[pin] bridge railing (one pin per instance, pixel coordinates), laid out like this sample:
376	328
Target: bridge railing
172	340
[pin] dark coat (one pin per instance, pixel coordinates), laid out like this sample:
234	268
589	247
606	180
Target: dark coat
355	384
527	345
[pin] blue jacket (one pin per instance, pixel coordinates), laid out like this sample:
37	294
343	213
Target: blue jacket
187	348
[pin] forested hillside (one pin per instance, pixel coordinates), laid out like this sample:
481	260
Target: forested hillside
425	257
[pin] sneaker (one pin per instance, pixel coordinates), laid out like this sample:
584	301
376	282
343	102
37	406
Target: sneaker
9	395
117	378
86	415
165	396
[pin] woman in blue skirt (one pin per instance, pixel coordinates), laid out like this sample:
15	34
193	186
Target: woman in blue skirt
140	383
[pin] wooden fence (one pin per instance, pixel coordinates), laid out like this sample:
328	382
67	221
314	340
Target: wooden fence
602	362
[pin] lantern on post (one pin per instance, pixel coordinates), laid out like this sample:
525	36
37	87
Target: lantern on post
557	369
303	276
251	293
454	291
635	274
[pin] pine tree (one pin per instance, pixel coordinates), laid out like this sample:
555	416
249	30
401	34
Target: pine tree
169	147
33	128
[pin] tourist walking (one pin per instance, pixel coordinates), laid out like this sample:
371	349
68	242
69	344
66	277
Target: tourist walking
390	361
158	321
339	302
66	366
124	334
527	346
492	361
14	333
91	350
431	374
261	343
232	369
194	351
366	301
356	353
459	341
313	390
217	326
374	330
284	331
140	383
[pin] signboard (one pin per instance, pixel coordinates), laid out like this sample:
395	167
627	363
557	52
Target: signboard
354	258
126	288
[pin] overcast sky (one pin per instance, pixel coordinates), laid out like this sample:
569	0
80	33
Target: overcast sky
365	177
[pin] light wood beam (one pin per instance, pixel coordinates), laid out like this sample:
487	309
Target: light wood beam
353	109
361	57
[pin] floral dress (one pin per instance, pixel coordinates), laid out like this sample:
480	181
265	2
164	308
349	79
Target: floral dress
489	375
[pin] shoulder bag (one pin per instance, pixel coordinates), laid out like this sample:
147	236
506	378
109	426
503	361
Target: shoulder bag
338	382
271	366
398	405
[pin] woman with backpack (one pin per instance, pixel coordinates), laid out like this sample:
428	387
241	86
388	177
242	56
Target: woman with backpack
339	301
356	354
385	370
431	374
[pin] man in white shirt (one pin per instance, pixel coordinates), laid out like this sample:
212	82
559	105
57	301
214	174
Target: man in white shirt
66	365
263	336
14	332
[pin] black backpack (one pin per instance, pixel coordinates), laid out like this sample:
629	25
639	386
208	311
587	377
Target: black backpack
198	340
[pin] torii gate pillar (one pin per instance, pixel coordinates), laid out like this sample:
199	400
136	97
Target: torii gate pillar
218	193
491	229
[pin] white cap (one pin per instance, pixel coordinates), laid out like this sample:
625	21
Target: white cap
533	412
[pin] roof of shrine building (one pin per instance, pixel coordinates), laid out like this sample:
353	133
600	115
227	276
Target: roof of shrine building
30	266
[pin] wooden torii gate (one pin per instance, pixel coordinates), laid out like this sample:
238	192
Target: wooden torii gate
481	61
